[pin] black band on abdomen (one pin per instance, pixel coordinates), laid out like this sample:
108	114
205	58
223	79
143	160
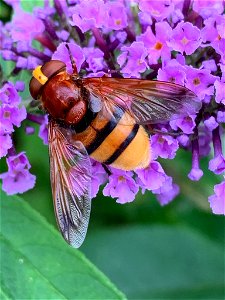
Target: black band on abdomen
105	131
123	146
85	121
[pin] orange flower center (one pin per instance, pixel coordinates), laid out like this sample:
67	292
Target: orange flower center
184	41
158	46
155	12
121	178
196	81
6	114
161	140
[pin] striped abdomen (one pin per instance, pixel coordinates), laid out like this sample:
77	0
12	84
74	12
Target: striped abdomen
114	143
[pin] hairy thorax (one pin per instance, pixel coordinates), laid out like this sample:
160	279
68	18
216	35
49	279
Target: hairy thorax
63	100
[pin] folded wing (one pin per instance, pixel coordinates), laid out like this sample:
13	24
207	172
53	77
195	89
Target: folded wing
70	171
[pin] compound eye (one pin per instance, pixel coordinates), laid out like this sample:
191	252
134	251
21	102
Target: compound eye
41	74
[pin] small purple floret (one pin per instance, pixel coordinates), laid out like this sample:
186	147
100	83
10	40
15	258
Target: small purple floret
10	116
18	179
200	82
117	15
164	146
217	201
9	94
43	130
173	72
95	59
152	177
89	14
62	54
186	124
133	57
25	26
221	116
167	192
208	8
6	144
217	164
157	43
159	10
220	92
121	186
211	123
186	38
98	178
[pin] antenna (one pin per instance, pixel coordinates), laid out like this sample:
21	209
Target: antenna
72	60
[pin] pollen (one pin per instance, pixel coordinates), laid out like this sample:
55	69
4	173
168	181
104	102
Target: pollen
6	115
161	140
196	81
118	22
184	41
158	46
155	12
188	119
16	161
121	178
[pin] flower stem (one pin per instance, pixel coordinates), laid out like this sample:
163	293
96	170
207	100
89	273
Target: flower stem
103	46
77	35
217	145
114	45
195	152
131	37
100	41
58	7
35	118
50	29
186	6
39	54
46	42
12	151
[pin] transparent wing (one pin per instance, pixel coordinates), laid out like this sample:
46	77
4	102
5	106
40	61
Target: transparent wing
146	101
70	171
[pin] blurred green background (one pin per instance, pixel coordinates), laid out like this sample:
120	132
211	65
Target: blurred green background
147	251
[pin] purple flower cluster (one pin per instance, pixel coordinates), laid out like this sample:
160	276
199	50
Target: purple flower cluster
179	41
18	178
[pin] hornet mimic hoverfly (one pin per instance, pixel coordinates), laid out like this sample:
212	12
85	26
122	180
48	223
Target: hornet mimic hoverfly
103	118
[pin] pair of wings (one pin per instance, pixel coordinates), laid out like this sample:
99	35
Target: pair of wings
146	102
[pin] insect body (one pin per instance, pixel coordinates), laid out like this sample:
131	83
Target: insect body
110	137
99	117
111	142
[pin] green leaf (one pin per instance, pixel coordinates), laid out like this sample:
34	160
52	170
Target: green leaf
6	68
29	5
159	262
5	11
36	263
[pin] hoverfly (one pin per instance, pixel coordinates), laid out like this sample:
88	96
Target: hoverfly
103	118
